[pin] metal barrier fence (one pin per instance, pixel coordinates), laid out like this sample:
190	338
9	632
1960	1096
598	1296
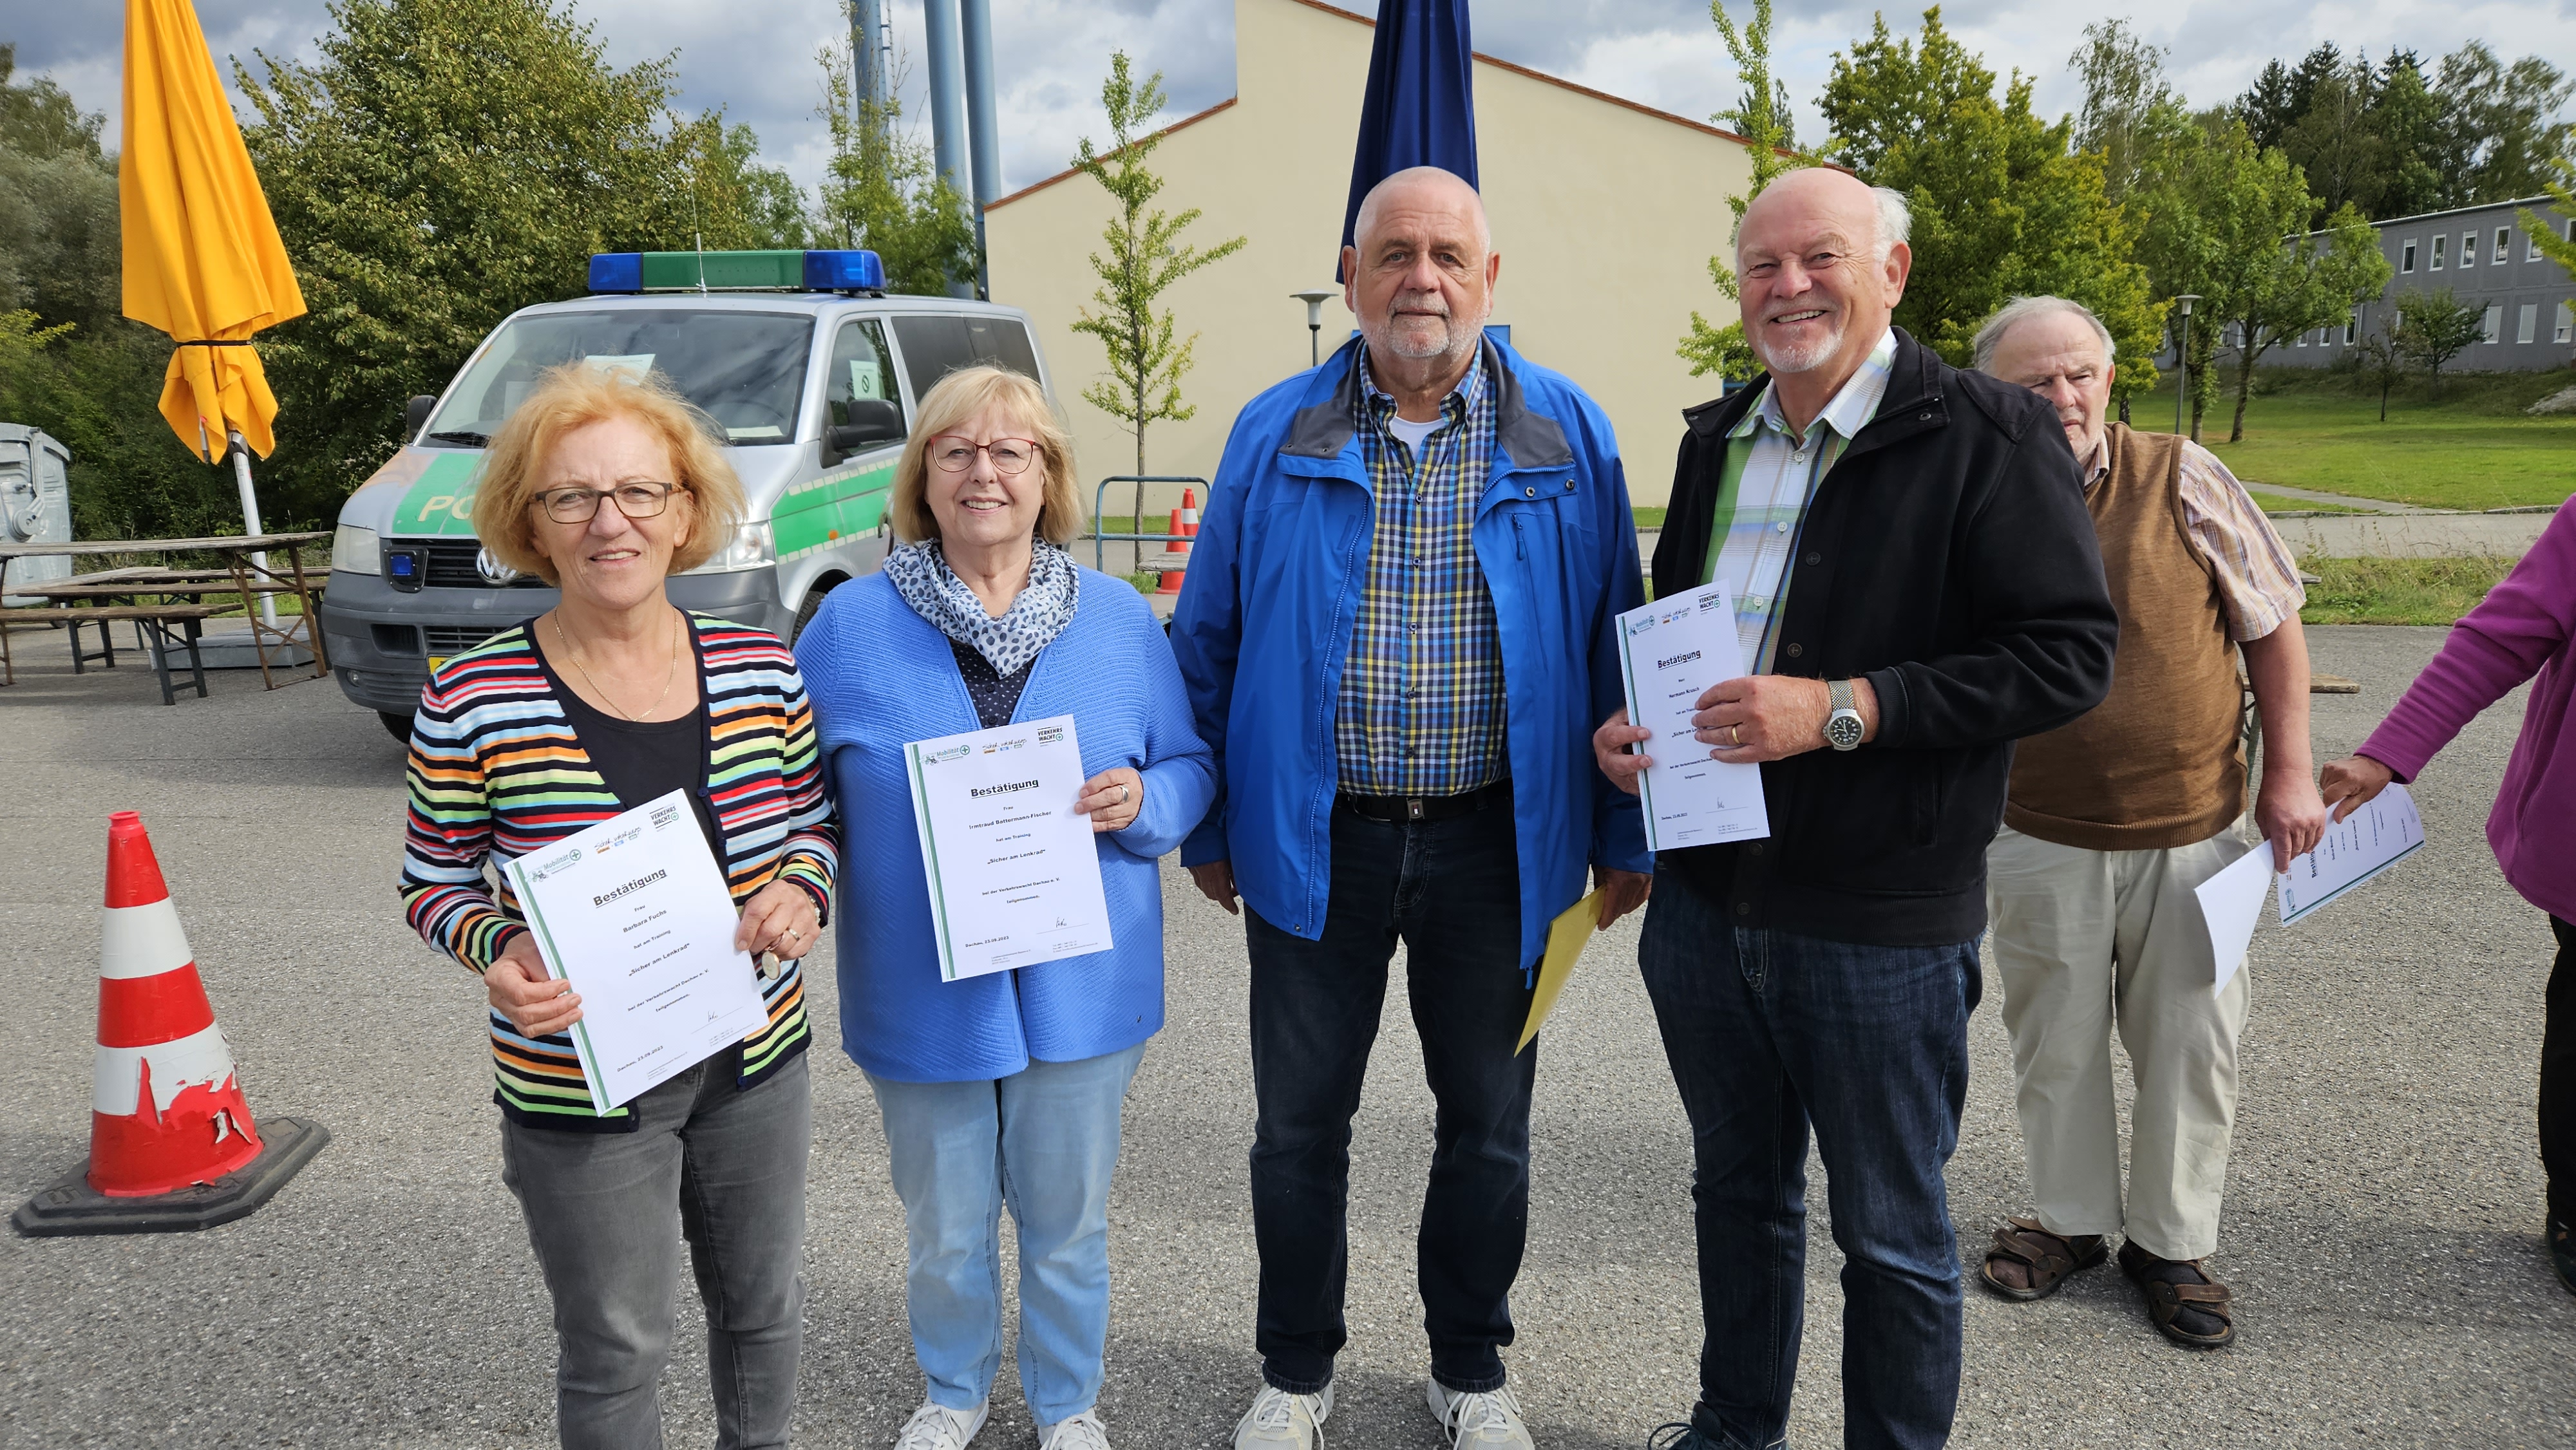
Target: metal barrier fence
1100	541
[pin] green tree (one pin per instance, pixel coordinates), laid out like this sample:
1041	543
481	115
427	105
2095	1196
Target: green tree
2434	327
1143	384
1761	115
734	202
2407	117
2336	142
2305	282
880	193
2128	102
2003	205
2559	184
2282	94
2498	128
2383	362
437	165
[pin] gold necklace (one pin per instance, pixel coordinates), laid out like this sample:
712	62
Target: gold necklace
670	678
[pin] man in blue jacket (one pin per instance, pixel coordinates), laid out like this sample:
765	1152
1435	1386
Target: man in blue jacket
1396	634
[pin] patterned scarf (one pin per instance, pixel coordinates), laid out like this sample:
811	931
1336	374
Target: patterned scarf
920	573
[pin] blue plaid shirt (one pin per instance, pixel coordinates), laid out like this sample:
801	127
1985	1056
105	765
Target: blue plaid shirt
1421	706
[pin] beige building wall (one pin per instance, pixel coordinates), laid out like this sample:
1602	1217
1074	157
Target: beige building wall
1605	215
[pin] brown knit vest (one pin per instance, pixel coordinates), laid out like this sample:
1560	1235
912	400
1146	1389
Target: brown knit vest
2159	762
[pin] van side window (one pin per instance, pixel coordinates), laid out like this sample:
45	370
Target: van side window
933	347
861	368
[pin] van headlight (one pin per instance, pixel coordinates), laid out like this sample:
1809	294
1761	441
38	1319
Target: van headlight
354	551
750	548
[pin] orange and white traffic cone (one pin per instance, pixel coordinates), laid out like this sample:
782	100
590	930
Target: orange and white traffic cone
170	1133
1185	522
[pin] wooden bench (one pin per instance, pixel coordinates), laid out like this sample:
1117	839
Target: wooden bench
172	626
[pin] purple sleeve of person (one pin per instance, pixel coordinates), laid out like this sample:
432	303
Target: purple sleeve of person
2525	623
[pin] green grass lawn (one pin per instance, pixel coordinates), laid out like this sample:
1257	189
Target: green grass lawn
2470	446
2398	591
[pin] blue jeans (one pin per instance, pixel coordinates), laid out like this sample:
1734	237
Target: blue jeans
1450	890
1768	1033
1043	1141
709	1163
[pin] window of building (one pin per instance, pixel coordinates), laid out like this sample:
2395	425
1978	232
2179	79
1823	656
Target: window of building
2527	325
2494	323
2406	256
2566	322
2531	247
2468	249
2440	243
2302	342
2351	327
2503	247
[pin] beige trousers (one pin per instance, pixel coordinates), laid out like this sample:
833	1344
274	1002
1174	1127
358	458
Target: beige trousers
2085	940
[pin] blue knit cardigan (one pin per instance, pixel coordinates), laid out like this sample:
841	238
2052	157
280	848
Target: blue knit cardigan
879	675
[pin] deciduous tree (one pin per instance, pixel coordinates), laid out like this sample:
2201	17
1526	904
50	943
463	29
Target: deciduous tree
880	193
2003	204
2434	327
1146	256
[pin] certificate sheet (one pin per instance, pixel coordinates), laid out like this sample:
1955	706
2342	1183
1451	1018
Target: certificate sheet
2231	904
635	914
1670	652
1013	873
2377	835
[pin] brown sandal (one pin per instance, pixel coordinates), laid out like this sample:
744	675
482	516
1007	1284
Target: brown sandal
2167	1300
2046	1258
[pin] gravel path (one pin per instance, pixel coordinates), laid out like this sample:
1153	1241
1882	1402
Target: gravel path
2382	1231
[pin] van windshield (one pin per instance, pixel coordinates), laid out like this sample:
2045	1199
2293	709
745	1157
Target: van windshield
747	369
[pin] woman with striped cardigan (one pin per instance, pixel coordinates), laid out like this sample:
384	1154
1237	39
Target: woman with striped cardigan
603	484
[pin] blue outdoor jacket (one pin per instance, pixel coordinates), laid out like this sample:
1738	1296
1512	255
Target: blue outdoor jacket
1266	614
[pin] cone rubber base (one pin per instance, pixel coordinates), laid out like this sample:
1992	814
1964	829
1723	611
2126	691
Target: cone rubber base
73	1207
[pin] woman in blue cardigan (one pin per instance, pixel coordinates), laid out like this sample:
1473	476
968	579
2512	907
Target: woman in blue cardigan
1004	1089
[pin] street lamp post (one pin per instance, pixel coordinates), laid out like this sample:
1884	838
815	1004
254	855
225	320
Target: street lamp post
2182	358
1314	301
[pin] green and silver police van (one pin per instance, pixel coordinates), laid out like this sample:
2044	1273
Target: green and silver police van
812	372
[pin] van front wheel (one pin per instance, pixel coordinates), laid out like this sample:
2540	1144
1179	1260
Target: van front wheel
398	726
813	602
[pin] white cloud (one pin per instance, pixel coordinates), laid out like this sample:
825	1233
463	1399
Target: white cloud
755	57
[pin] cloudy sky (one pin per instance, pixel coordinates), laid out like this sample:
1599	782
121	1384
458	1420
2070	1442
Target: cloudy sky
755	57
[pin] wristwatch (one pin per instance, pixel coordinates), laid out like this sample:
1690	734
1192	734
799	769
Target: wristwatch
1843	727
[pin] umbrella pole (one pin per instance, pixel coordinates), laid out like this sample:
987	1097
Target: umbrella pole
250	522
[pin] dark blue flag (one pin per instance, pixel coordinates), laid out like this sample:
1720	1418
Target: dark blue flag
1420	108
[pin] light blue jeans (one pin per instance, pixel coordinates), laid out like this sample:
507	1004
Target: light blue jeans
1044	1141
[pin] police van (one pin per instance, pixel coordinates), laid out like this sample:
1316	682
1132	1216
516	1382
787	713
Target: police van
812	372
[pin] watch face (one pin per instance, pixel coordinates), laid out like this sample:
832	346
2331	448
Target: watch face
1843	731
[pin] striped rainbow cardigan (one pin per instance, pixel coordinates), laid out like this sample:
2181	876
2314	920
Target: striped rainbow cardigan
496	772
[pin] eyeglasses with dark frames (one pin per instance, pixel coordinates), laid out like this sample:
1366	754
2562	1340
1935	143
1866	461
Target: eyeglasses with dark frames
581	505
1011	456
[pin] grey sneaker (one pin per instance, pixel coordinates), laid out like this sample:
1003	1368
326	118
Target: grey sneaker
1075	1432
1488	1420
1279	1420
937	1427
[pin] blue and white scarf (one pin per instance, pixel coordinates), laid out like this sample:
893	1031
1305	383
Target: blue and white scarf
920	573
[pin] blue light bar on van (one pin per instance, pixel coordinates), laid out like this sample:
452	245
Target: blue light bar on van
843	272
617	272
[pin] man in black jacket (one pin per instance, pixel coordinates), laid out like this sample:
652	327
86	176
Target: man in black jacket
1917	586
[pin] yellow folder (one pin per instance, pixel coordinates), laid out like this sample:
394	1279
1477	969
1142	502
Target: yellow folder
1565	938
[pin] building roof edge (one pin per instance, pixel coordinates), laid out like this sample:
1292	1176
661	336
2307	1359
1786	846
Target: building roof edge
1073	171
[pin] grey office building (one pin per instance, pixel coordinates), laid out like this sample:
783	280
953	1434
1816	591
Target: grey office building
2483	254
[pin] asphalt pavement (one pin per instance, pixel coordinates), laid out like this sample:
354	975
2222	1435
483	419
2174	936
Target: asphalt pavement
2382	1230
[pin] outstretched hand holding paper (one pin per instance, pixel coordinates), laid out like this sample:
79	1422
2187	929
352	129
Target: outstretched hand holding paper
2378	835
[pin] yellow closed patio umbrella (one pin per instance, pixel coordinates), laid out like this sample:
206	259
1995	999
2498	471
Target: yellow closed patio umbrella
203	262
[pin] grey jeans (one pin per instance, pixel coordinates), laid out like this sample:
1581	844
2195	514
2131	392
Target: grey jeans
607	1212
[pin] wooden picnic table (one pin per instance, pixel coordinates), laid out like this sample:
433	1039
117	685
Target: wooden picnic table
90	599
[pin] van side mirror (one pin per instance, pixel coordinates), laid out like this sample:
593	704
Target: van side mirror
872	421
416	417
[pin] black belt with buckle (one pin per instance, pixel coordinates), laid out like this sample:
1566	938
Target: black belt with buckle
1399	809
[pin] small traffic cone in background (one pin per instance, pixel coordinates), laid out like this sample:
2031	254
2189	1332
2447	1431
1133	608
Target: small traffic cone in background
172	1143
1185	522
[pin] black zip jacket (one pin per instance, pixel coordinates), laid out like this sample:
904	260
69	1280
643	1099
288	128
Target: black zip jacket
1948	559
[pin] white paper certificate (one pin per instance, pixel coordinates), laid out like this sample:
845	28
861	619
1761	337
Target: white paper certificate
635	914
2376	836
1670	652
1013	875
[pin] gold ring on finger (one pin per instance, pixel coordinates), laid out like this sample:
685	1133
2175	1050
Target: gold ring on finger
1734	737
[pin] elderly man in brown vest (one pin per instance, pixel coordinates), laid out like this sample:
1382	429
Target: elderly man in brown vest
2109	825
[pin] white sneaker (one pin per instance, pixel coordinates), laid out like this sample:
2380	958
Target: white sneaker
1076	1432
937	1427
1279	1420
1488	1419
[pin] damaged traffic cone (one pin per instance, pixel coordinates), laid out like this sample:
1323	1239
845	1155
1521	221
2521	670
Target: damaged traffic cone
173	1144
